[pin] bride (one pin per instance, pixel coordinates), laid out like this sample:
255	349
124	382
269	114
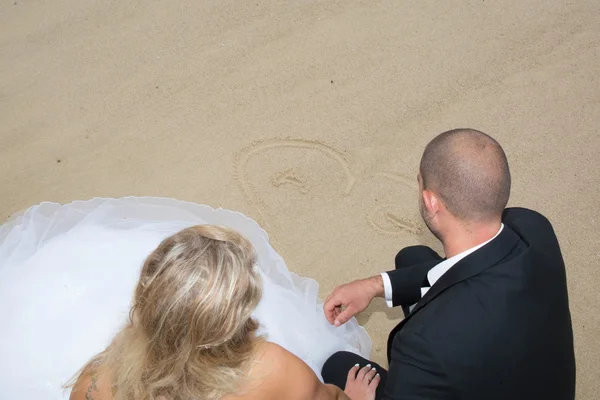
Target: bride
215	312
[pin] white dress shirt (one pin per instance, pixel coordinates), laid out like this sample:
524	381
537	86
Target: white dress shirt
434	273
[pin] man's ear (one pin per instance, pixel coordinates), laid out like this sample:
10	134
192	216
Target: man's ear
431	201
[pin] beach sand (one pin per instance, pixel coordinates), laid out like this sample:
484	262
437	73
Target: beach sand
309	117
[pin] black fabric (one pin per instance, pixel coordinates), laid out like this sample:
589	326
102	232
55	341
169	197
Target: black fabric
497	325
407	281
421	256
335	370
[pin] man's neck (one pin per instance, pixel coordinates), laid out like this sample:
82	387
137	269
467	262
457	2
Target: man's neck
464	237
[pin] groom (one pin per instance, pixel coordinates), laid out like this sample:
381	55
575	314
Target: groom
489	321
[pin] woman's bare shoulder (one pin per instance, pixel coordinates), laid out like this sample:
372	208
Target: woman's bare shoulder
277	374
273	353
91	385
275	360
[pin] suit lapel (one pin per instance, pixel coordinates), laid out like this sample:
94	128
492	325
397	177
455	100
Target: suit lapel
475	263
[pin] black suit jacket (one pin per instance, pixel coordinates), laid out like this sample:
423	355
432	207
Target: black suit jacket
495	326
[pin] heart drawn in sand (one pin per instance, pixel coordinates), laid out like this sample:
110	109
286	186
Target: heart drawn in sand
275	174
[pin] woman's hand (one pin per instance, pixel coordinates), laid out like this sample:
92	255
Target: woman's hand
362	383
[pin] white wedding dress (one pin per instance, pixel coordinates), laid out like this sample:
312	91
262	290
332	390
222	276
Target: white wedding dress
67	275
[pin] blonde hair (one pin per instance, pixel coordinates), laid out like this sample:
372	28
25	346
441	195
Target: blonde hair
190	333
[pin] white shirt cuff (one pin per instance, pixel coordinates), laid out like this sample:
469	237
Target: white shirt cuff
387	288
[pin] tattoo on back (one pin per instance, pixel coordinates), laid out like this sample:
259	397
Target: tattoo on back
92	388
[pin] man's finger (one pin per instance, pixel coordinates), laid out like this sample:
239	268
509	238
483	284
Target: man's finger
352	372
329	308
345	315
329	315
337	311
332	295
332	300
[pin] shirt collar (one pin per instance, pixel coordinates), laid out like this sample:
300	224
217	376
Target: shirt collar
440	269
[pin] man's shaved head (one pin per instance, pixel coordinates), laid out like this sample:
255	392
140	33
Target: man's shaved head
469	171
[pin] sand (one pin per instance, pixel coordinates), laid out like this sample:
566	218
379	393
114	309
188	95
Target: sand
310	117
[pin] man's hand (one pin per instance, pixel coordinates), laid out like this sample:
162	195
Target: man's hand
355	297
362	383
